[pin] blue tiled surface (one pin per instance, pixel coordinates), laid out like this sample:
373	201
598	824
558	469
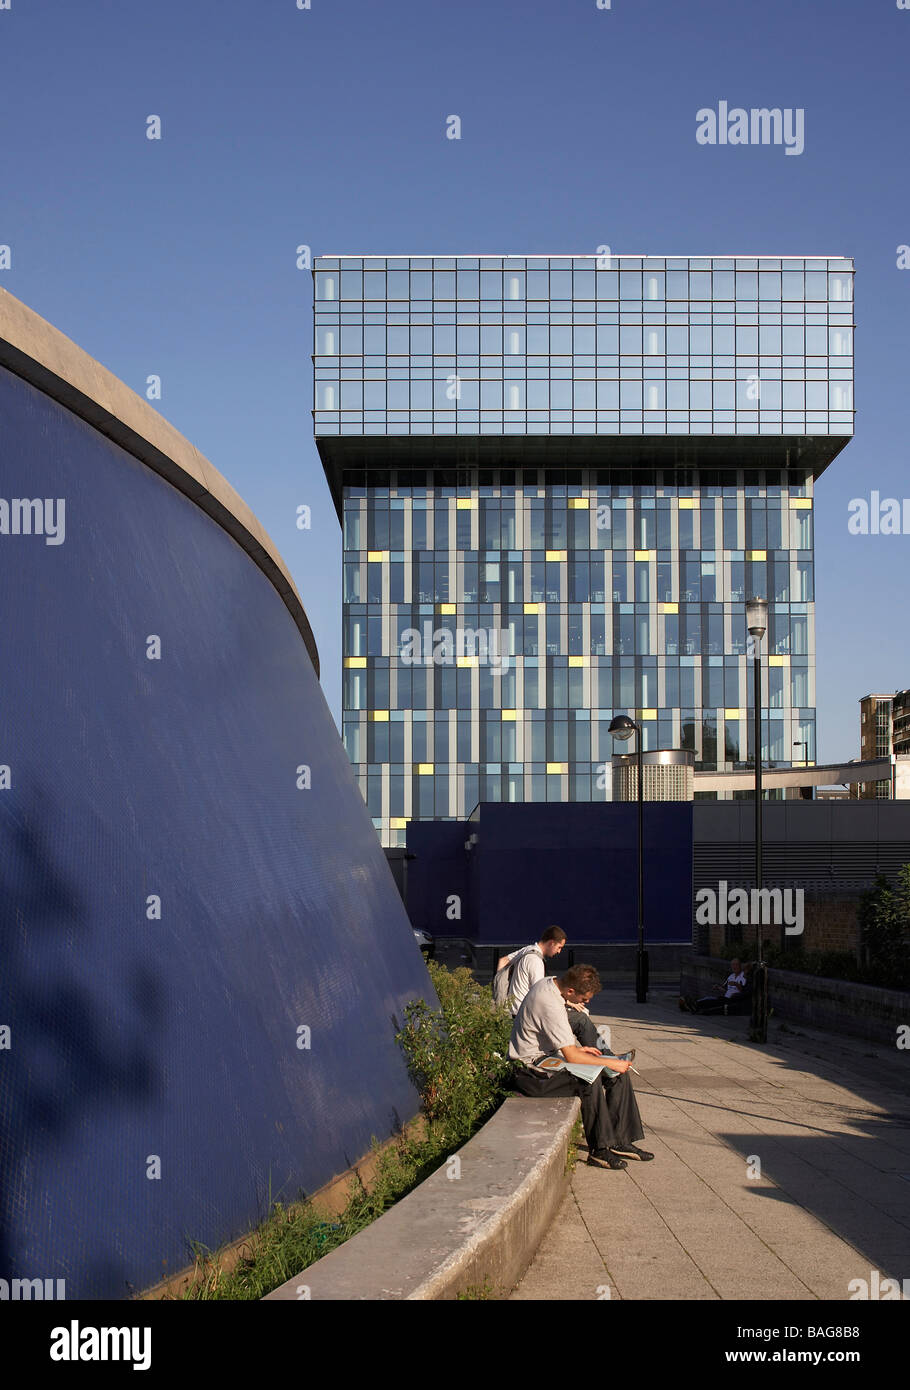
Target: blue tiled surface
135	1037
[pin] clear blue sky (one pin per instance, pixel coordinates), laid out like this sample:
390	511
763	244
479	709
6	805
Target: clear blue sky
327	127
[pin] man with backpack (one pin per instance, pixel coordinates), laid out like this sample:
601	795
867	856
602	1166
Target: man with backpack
518	971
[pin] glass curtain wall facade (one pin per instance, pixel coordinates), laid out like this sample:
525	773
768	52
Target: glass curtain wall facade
559	479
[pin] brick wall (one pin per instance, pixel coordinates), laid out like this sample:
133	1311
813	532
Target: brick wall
830	924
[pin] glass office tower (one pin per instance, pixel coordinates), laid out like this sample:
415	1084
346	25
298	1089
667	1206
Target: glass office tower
559	478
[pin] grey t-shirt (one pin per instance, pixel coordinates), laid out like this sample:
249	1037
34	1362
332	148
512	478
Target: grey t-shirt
541	1026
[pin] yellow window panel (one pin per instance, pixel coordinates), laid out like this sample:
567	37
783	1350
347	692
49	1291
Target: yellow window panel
556	767
802	503
576	661
733	713
466	661
375	556
532	607
579	504
687	504
397	823
510	714
669	608
556	554
647	714
756	555
447	608
643	554
358	661
425	769
464	504
380	716
777	660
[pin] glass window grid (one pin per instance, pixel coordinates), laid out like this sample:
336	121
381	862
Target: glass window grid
584	378
662	364
689	666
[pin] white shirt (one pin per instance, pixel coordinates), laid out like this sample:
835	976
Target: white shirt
527	972
733	980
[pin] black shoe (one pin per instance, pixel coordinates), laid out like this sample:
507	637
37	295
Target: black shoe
598	1158
630	1151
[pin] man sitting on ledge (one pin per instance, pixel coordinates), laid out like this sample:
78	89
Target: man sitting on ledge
734	996
609	1111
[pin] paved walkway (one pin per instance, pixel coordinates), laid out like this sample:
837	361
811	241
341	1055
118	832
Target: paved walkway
829	1120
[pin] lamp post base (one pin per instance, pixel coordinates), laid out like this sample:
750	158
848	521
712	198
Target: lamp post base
641	977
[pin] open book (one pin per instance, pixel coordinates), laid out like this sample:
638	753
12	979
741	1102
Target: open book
587	1071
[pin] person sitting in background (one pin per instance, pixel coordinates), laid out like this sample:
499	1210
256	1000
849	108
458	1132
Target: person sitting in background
731	993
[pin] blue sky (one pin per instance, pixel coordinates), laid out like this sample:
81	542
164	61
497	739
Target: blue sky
327	127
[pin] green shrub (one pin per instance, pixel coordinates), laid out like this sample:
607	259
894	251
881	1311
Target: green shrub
457	1057
884	919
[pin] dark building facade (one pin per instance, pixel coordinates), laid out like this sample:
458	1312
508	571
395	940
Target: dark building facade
875	742
900	722
509	871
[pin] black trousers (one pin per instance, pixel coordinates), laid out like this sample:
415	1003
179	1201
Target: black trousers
609	1110
716	1004
583	1028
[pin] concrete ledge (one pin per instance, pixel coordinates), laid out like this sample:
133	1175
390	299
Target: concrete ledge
455	1234
842	1006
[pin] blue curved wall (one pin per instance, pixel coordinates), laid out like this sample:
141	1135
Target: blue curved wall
178	1037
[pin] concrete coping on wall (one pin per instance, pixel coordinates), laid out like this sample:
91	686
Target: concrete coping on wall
471	1228
36	351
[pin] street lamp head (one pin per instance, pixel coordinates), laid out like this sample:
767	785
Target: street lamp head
757	616
622	727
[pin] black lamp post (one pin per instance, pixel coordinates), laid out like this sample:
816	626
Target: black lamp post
622	727
757	623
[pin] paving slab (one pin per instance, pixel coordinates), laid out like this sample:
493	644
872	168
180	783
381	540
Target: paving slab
782	1171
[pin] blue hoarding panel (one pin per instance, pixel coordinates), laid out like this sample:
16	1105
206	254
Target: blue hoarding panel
572	865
